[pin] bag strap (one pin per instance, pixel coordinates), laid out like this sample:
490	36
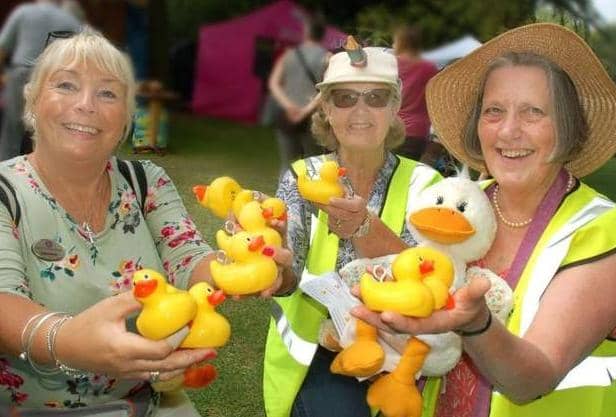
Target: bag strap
9	199
134	174
302	61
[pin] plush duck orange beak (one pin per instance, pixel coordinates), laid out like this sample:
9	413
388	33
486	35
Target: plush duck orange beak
442	225
199	191
144	288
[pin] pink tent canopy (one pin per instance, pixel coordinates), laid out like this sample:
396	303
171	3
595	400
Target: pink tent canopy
226	82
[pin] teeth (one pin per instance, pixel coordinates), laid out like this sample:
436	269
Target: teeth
82	128
515	153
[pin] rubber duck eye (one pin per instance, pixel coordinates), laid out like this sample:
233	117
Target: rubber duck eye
440	200
462	206
146	276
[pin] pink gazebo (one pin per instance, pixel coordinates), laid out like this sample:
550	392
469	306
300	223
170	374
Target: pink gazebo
227	82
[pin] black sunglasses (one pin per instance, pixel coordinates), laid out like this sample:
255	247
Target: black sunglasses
58	34
344	98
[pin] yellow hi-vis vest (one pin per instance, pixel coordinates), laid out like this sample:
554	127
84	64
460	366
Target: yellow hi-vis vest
293	332
582	230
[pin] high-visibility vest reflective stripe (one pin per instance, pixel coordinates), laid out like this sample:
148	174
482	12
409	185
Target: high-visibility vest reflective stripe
293	332
576	234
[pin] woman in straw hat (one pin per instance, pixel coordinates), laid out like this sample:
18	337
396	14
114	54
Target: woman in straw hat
357	120
535	109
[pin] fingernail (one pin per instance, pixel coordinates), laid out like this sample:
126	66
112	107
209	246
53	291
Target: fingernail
212	354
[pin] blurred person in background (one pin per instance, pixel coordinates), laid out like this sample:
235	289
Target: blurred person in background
292	85
23	39
415	74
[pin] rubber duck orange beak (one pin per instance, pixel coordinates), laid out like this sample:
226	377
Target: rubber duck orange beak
144	288
442	225
256	243
267	213
426	266
342	171
216	298
199	191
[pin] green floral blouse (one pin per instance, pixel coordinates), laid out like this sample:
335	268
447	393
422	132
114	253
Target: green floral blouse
165	240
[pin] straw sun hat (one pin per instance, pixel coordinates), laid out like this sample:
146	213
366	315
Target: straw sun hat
451	94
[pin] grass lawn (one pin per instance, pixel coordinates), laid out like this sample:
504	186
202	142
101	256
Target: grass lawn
199	151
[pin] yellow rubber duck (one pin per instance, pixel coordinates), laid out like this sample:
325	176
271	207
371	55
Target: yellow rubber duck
165	308
322	189
218	196
208	328
252	268
396	394
241	199
252	219
274	209
422	277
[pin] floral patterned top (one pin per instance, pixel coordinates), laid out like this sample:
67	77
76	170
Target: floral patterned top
299	213
91	270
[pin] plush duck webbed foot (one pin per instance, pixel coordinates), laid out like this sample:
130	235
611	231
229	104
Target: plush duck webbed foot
364	357
395	394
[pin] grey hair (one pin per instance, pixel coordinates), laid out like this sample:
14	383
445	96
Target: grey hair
571	128
322	130
86	46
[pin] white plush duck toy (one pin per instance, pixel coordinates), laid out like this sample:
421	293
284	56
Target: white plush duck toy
455	217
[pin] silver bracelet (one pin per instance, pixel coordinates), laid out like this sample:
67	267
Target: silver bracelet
35	328
51	346
23	355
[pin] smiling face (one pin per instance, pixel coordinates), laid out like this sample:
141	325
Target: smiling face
516	127
80	112
360	127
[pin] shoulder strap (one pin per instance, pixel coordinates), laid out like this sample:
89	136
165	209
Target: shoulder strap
134	174
9	199
304	64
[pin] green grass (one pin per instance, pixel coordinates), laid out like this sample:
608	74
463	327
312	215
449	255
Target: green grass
199	151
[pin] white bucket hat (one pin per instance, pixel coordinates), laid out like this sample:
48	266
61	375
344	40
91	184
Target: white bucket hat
381	67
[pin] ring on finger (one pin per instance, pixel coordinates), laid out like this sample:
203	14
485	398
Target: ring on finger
154	377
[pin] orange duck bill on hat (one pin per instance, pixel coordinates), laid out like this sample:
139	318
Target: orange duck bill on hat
442	225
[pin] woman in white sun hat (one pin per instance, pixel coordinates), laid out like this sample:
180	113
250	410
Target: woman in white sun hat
534	108
357	121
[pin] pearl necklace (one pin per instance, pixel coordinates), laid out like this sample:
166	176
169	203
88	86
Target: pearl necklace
517	225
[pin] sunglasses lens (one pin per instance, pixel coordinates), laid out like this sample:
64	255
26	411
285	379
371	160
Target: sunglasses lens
58	34
378	97
344	98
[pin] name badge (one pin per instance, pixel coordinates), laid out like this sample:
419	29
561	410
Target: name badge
48	250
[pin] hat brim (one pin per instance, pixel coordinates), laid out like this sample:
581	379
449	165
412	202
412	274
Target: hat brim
451	94
355	79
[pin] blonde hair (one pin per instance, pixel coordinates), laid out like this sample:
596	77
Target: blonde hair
324	134
87	46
